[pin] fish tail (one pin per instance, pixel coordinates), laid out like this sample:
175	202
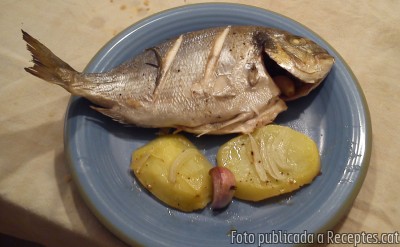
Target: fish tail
48	66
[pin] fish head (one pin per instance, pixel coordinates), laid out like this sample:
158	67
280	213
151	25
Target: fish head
300	56
304	59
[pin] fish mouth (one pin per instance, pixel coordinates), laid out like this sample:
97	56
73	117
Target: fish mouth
299	87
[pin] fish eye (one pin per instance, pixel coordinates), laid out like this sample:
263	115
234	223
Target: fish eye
297	40
309	51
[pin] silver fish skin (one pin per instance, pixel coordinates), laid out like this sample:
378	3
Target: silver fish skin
212	81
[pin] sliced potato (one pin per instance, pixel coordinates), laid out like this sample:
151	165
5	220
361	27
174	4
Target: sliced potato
271	161
174	171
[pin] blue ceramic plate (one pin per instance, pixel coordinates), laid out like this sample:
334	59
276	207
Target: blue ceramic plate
99	149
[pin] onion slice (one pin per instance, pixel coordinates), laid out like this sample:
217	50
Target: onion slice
257	160
266	157
179	160
141	161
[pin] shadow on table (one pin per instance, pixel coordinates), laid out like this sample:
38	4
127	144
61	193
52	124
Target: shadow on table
37	229
80	217
7	240
22	147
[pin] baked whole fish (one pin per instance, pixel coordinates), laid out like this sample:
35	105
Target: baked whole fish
212	81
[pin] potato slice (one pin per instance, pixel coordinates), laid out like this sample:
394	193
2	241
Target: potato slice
271	161
174	171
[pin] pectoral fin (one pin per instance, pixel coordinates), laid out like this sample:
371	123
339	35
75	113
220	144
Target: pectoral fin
158	66
223	87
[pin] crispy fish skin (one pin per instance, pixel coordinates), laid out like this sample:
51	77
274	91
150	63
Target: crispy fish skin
211	81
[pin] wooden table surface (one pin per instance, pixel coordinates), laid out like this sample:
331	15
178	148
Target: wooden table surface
38	199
